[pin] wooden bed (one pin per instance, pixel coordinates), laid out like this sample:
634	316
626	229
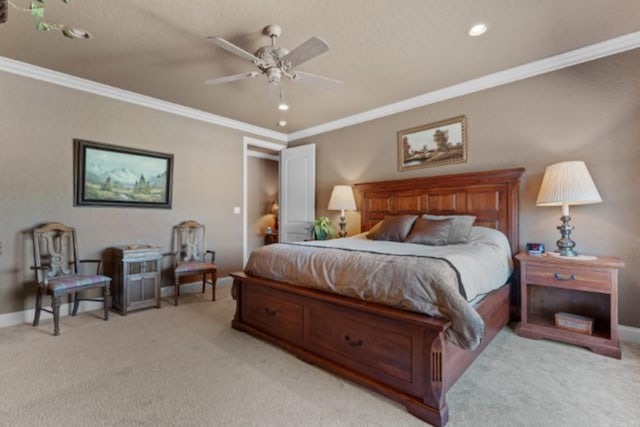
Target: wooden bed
399	354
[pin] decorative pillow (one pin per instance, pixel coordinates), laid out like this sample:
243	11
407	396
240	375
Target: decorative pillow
394	228
430	232
460	228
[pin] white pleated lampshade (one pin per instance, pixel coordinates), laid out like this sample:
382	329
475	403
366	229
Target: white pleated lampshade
567	183
342	199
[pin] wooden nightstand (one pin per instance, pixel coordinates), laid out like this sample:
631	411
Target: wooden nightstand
589	288
270	238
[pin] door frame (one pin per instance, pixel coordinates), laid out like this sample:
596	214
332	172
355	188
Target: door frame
246	153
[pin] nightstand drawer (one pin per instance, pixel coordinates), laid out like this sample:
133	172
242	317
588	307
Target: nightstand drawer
568	277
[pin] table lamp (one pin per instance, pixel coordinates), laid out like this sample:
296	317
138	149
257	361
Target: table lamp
342	199
564	184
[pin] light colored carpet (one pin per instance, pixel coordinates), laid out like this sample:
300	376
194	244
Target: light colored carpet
185	366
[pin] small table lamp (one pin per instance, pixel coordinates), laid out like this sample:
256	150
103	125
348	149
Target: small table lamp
341	200
564	184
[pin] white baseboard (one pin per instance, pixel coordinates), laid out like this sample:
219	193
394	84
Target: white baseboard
629	334
626	333
26	316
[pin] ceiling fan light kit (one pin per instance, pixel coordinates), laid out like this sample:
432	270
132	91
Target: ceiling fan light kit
277	63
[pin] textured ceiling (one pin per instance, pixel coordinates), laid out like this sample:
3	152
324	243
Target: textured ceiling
384	51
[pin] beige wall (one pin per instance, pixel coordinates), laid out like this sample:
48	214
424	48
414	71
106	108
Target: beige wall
262	191
39	122
588	112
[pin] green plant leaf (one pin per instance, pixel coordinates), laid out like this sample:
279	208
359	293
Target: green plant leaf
37	10
43	26
39	1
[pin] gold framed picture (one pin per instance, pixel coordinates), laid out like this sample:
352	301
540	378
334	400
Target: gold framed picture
435	144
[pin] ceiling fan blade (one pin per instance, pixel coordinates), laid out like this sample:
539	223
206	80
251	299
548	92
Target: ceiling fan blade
306	51
233	78
230	47
314	79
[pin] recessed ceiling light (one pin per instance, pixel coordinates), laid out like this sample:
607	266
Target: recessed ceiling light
283	106
282	123
478	29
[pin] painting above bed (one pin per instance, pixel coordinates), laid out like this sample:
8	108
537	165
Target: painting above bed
435	144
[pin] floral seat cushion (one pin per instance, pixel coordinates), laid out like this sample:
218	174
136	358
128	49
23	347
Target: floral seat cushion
62	284
186	267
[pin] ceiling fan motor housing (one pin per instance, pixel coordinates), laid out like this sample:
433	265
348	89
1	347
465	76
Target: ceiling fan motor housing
272	55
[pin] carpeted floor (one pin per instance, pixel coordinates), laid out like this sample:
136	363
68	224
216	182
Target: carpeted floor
185	366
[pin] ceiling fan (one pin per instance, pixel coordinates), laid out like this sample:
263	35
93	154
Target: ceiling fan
277	63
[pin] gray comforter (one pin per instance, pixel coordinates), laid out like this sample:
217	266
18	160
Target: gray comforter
409	279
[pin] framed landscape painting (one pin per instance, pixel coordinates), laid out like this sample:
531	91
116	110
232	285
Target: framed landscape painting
109	175
435	144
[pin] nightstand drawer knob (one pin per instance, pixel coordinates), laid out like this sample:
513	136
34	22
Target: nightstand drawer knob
564	279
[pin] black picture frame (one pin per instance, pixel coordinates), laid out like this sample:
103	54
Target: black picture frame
111	175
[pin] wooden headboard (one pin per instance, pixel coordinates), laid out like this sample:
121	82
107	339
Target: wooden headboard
492	196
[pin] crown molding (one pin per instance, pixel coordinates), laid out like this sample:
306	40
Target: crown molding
542	66
66	80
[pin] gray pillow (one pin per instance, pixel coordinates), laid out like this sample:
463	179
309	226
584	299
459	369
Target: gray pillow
430	232
393	227
460	229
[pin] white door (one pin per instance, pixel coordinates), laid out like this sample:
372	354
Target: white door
297	192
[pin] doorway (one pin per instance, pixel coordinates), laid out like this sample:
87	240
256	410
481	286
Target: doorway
260	171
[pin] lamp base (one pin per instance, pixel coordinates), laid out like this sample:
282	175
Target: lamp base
343	225
565	244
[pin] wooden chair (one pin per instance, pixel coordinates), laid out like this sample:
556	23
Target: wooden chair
58	273
189	256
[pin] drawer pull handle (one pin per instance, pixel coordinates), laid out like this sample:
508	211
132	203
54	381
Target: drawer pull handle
353	343
270	312
564	279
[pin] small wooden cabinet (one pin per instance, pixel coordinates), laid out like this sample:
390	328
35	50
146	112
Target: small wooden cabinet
588	288
136	277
